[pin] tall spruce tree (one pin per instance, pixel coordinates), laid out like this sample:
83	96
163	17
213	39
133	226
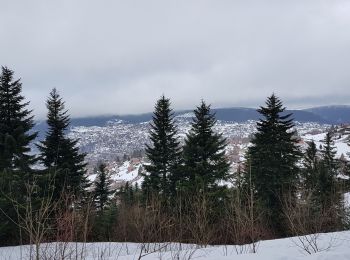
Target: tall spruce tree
273	158
16	134
60	154
328	154
102	187
16	124
106	211
127	194
311	168
327	186
163	153
205	164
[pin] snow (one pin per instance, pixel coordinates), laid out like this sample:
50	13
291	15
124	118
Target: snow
92	177
347	200
341	145
139	181
124	174
186	115
127	172
331	246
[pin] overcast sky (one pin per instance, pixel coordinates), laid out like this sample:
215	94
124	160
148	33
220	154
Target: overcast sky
118	57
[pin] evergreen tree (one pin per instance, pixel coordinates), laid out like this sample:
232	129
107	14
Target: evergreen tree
16	134
128	194
102	187
205	164
59	154
273	160
15	126
163	153
106	211
311	167
328	154
327	185
322	185
313	176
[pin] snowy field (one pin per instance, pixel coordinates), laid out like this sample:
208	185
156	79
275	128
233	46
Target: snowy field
321	247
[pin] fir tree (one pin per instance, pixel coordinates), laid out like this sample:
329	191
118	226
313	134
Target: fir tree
15	126
16	134
322	185
311	167
312	174
273	160
163	153
328	154
106	214
128	194
102	188
59	154
327	185
205	164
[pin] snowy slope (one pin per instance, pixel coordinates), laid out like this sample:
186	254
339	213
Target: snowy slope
127	172
340	144
331	246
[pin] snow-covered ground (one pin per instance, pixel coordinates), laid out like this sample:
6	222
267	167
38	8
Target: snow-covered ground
341	146
330	246
124	173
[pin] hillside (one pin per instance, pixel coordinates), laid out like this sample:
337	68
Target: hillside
321	115
106	142
332	114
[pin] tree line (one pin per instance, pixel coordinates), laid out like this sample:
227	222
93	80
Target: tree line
188	193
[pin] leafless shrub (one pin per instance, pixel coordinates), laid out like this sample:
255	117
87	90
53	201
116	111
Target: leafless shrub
244	225
198	221
33	217
306	223
149	224
180	251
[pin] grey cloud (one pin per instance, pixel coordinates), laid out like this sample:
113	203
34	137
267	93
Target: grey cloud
117	57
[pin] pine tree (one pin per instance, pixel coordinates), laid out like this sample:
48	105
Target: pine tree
106	211
15	126
128	194
327	185
328	154
312	173
102	188
163	153
322	185
273	160
16	134
205	164
311	167
59	154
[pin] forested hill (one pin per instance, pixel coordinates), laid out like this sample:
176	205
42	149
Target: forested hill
323	115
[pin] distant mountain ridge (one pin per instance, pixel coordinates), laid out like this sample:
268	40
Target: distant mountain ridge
323	115
333	114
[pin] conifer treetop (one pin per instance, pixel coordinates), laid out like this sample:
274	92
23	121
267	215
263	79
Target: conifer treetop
204	150
16	122
57	114
164	151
